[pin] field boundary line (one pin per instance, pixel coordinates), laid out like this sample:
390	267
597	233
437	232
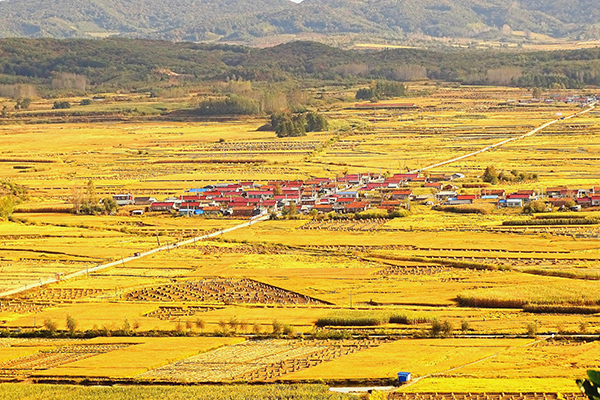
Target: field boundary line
132	258
493	146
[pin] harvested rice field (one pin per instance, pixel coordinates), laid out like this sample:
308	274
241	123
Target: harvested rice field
478	301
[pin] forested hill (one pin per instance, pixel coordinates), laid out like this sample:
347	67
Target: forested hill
131	64
195	20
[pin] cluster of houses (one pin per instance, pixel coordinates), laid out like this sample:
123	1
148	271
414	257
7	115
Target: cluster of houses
577	100
349	194
556	197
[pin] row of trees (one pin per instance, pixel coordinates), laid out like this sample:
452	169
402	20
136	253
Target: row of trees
491	175
381	90
287	124
86	202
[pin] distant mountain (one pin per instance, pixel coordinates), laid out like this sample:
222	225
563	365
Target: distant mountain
229	20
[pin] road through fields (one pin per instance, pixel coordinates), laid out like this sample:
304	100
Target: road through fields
132	258
493	146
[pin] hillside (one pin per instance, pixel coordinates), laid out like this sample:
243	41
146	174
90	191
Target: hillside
116	63
230	20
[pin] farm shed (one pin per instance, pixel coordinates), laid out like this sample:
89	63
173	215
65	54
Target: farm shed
404	377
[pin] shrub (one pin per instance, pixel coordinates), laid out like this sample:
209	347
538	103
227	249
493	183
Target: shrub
464	325
51	325
277	328
71	324
536	206
61	105
532	329
350	321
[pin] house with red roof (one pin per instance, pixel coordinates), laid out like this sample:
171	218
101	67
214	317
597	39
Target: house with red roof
401	194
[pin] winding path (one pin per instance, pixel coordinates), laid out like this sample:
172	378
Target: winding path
493	146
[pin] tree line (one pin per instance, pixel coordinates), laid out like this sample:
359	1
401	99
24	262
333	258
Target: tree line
44	67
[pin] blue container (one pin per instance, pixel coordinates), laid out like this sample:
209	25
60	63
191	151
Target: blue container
403	377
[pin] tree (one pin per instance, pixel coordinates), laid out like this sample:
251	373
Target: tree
110	205
288	125
61	105
536	93
464	325
532	329
23	104
277	191
71	324
7	206
200	324
490	175
85	102
233	324
316	122
536	206
293	210
126	327
51	325
277	328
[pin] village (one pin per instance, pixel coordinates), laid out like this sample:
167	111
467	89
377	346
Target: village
350	194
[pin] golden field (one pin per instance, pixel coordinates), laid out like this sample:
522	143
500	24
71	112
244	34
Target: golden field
417	266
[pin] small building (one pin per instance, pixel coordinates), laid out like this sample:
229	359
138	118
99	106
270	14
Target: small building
352	195
493	192
404	377
434	185
137	213
245	211
123	199
444	195
357	206
323	208
144	201
461	199
212	211
164	206
514	203
560	202
437	178
259	194
525	198
401	194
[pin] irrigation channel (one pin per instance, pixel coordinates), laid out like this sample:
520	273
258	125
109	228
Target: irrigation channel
493	146
122	261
